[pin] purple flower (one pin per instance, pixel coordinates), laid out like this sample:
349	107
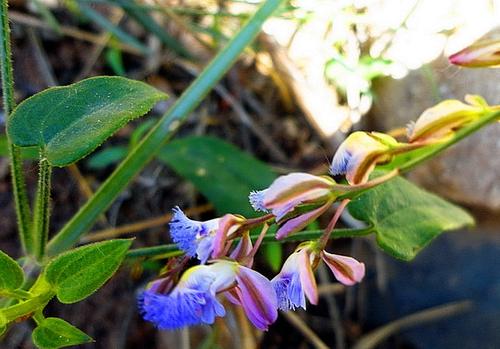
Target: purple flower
202	239
296	281
256	295
287	192
359	153
346	269
484	53
193	301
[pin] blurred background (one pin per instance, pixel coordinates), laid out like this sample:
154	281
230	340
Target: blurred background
319	70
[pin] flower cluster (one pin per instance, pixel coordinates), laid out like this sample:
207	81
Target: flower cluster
292	202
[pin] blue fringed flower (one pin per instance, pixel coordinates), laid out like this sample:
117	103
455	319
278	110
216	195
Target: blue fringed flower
289	292
192	302
257	200
295	282
193	237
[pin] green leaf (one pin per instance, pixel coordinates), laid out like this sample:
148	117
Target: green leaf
406	218
70	122
107	157
77	274
274	255
221	172
115	60
53	333
104	23
149	24
11	275
26	153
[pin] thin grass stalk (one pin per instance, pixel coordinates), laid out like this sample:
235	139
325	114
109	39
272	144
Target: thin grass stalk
163	131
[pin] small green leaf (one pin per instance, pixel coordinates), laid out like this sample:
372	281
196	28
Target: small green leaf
70	122
11	275
406	218
77	274
221	172
53	333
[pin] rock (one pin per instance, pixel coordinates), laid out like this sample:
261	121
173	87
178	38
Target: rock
469	172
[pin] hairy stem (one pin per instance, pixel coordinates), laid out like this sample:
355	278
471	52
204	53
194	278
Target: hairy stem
161	133
23	212
42	208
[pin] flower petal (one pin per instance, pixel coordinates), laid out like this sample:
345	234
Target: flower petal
359	153
184	231
481	54
228	224
256	199
257	297
440	120
243	249
307	276
193	301
298	223
346	269
296	188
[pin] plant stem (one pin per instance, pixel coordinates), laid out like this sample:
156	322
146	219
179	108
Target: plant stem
171	250
458	136
42	208
161	133
23	212
27	308
15	294
329	228
259	240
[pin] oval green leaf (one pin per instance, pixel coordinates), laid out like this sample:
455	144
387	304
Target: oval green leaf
78	273
406	218
11	275
69	122
53	333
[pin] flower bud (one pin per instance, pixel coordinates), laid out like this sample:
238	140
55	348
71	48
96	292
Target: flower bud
442	119
360	152
481	54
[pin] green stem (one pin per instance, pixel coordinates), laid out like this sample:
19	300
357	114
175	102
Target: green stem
18	181
171	250
161	133
26	308
458	136
42	208
16	294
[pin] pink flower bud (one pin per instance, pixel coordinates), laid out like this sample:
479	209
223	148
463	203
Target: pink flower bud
481	54
442	119
358	155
